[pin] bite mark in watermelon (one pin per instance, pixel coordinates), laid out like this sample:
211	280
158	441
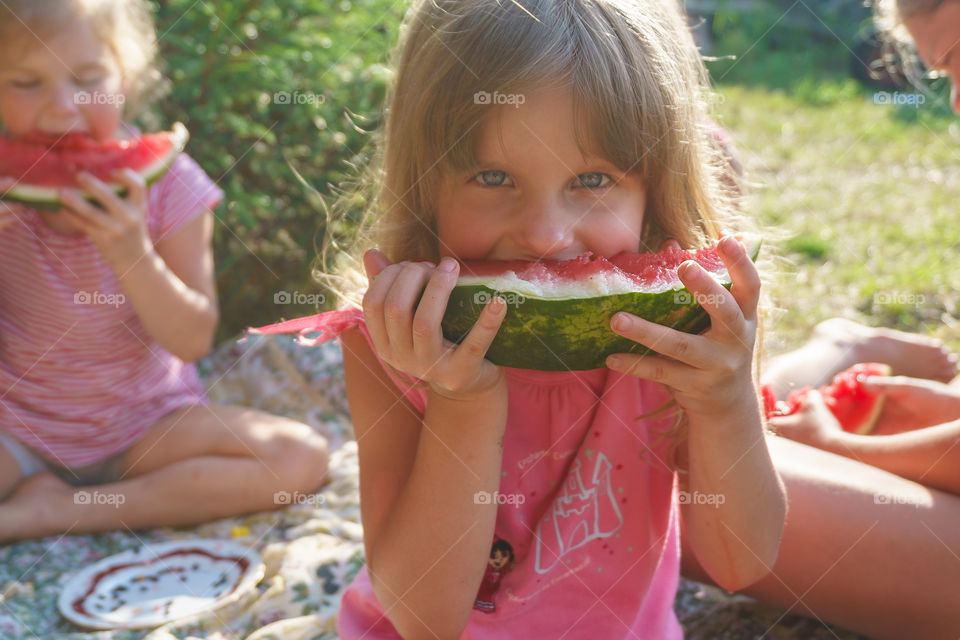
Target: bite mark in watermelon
43	164
855	408
558	312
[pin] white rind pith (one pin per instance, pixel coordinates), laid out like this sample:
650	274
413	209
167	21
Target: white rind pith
594	286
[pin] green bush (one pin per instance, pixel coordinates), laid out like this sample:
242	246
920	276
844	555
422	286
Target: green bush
278	96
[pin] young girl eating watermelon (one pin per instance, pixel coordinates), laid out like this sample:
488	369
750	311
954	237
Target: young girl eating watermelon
103	307
534	131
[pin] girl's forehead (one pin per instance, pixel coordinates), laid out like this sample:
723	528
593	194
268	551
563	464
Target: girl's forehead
74	49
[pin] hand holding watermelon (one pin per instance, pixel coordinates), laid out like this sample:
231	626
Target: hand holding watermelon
709	373
119	228
406	333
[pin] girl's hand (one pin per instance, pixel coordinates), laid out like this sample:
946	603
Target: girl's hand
405	326
119	229
812	425
709	373
8	210
913	403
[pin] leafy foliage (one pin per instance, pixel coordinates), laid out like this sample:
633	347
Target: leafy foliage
277	95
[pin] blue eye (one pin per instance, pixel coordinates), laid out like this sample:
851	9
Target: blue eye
593	180
492	178
26	84
88	82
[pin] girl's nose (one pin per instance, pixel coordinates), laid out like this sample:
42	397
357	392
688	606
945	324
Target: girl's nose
64	99
546	230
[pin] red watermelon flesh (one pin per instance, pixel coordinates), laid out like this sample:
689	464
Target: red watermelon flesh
622	273
43	164
855	408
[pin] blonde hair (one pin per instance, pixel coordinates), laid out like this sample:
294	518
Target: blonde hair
125	26
637	81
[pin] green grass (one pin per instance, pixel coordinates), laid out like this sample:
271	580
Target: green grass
861	200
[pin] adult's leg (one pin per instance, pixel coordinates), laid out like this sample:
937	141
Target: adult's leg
862	548
837	344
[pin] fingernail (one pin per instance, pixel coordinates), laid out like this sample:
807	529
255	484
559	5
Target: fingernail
688	270
621	322
448	265
614	362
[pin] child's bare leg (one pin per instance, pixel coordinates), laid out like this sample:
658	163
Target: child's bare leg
196	464
10	474
886	567
838	344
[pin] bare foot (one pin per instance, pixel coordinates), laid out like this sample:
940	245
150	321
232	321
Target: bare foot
837	344
29	505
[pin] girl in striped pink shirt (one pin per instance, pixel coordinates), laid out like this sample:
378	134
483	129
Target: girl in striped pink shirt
101	310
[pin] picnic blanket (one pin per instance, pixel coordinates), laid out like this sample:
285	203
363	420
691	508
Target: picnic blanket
313	549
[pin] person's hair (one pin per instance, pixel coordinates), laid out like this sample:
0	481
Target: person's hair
125	26
639	89
503	547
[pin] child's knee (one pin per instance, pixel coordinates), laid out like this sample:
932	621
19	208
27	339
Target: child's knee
300	457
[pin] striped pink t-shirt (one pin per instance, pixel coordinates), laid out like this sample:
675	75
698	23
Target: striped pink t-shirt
80	379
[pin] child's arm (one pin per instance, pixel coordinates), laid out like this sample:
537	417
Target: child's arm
170	285
426	537
928	456
734	505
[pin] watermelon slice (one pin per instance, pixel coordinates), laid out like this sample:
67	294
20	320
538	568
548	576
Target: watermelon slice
855	408
43	164
558	312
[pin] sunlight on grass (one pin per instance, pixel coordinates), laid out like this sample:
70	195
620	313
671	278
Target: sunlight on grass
861	199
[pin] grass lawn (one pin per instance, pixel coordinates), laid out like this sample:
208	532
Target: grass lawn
859	199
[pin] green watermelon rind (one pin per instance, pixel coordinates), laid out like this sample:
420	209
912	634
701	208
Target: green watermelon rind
48	198
570	334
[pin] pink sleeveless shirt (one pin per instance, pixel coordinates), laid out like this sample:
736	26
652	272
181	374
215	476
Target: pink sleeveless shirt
587	535
79	377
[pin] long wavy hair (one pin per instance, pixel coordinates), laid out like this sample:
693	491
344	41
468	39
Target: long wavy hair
636	77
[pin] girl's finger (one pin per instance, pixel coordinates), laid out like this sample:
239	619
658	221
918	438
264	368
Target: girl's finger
373	306
649	367
427	332
400	304
743	274
374	262
110	201
468	354
670	245
684	347
720	305
81	208
136	186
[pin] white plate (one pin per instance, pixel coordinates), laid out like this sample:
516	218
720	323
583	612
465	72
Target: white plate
160	583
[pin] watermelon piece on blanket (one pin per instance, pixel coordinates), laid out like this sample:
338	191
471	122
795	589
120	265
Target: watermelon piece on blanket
43	164
855	408
558	311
